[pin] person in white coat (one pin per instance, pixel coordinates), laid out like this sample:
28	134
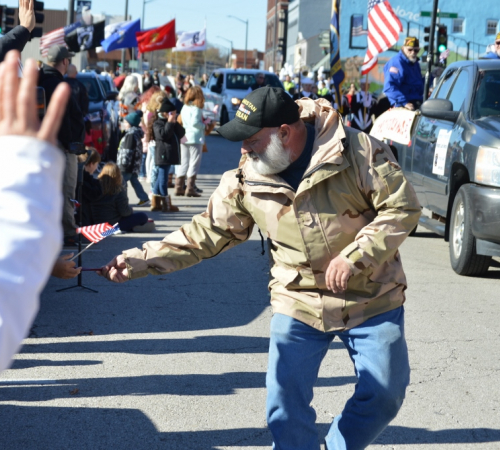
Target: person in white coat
30	199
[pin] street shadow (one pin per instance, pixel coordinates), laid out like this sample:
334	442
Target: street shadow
148	385
200	344
59	428
31	363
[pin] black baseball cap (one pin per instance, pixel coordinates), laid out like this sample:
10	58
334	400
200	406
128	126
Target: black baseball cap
57	53
266	107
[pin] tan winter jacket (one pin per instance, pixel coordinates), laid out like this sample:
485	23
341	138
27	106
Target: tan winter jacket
353	200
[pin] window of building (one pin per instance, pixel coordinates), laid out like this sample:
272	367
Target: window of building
491	27
458	26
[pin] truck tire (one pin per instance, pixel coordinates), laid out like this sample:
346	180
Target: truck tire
463	257
224	116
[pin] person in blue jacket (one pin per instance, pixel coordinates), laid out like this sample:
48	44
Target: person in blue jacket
496	53
403	84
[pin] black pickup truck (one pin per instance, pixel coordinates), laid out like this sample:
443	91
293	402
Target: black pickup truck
453	160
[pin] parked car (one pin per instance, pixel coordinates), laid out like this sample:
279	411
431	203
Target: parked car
98	115
233	85
453	160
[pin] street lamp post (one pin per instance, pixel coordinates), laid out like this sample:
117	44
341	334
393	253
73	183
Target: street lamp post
246	37
143	27
123	50
230	49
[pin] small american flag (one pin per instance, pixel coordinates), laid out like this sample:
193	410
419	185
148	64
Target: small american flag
55	37
357	26
96	233
383	31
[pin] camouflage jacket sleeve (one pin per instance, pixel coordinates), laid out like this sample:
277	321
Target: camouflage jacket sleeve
392	198
224	224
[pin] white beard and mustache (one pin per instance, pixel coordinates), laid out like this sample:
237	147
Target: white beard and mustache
274	159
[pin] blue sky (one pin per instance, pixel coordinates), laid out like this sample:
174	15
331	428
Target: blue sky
190	15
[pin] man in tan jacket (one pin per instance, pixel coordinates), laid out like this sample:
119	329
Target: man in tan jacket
335	206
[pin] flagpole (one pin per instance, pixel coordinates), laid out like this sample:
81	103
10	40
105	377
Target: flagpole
85	249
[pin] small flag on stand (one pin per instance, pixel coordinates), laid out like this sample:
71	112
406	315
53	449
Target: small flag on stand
96	233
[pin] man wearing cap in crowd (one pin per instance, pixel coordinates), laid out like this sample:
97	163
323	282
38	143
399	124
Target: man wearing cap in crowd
403	84
72	130
335	205
306	85
495	54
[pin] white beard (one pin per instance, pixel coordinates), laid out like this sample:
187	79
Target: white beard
274	159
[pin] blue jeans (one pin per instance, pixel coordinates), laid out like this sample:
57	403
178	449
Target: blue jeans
136	184
378	350
142	170
161	183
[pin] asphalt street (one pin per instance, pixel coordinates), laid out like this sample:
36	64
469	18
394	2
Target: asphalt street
179	361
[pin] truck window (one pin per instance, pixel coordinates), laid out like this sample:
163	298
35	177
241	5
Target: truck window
459	90
487	100
446	83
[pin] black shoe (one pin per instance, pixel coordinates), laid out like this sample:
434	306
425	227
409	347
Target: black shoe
197	189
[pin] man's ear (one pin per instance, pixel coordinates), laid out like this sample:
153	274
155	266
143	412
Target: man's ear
285	133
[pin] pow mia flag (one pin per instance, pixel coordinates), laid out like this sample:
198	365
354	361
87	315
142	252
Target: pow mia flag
192	41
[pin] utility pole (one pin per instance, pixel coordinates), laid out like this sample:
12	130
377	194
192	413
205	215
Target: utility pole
124	49
430	53
71	12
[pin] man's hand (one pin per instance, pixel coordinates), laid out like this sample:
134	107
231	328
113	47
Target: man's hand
27	14
410	106
18	105
65	269
115	270
337	275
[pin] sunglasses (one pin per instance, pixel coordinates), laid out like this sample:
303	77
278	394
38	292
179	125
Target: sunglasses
414	50
497	43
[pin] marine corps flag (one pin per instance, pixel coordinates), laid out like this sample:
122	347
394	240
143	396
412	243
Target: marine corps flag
157	38
336	71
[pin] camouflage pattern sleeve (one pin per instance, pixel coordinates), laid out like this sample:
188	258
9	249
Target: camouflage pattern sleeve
224	224
391	196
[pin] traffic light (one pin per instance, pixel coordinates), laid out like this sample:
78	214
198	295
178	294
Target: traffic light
9	20
39	18
442	39
427	38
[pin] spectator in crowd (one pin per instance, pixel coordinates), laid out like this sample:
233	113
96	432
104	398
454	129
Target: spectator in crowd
167	133
143	102
156	78
191	150
148	118
130	155
31	236
495	54
128	96
336	207
72	131
147	81
204	80
78	89
91	188
164	81
288	83
112	205
260	81
322	89
18	37
403	82
306	85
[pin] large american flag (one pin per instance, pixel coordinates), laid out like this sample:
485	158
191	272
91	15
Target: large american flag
55	37
96	233
383	31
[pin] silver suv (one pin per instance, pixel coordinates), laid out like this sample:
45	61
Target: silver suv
233	85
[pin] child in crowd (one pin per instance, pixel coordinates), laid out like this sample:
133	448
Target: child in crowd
112	205
130	155
167	133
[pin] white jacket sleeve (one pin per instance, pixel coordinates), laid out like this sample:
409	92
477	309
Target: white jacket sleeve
30	232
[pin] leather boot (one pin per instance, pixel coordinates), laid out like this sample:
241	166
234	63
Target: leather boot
191	189
179	186
156	203
170	180
167	205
